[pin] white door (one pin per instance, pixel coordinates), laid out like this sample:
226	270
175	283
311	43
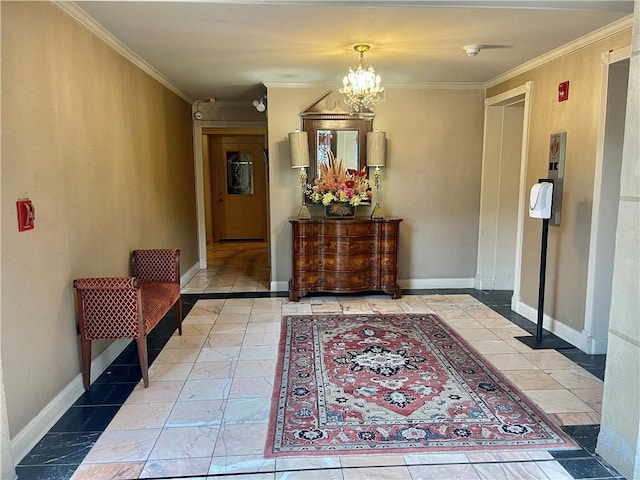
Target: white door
502	170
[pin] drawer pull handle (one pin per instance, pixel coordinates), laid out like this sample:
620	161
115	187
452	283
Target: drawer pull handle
372	262
321	281
372	245
320	246
320	263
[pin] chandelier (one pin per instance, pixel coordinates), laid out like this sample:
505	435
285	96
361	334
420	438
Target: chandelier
361	87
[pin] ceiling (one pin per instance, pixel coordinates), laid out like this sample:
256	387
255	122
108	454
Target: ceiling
230	50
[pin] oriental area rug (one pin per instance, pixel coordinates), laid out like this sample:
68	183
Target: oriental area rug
401	383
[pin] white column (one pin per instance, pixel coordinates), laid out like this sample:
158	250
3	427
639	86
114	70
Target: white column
619	439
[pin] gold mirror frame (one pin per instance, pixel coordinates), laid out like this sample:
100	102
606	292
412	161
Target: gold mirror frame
318	117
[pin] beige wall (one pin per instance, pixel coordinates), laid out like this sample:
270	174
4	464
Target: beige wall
105	153
568	246
431	179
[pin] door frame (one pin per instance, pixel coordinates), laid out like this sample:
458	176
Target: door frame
201	127
594	332
504	98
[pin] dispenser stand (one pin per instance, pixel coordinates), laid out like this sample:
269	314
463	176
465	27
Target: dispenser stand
540	342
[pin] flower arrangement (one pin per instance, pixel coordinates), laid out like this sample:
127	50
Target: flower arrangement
337	184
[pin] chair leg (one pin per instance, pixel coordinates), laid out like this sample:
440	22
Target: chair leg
178	310
144	358
85	347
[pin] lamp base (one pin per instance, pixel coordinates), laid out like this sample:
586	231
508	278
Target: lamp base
377	212
304	213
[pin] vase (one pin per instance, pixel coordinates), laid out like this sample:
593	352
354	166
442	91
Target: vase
340	210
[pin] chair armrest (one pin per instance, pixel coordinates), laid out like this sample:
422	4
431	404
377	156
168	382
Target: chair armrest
108	307
156	265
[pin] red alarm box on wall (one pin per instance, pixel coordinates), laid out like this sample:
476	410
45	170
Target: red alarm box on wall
26	214
563	91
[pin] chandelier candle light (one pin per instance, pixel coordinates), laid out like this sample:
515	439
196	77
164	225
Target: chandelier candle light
361	87
376	153
299	144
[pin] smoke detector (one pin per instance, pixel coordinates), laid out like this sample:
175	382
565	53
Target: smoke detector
473	49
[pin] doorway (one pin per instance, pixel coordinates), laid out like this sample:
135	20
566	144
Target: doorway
238	186
606	193
254	134
503	191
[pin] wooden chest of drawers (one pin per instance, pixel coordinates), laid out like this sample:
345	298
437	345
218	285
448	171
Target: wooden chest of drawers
344	256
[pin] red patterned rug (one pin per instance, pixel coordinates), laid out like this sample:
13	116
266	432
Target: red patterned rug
394	384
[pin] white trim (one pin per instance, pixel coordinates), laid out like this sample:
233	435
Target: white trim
198	126
189	274
279	286
420	283
80	16
607	58
412	86
527	90
408	284
552	325
613	28
200	210
484	283
594	345
515	301
617	55
37	428
522	204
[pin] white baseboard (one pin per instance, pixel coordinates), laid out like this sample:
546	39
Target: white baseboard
31	434
189	274
552	325
429	283
279	286
409	284
515	301
595	345
484	283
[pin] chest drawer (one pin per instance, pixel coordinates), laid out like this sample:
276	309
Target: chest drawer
346	263
346	246
344	256
341	228
365	280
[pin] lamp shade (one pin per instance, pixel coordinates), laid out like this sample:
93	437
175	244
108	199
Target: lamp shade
376	148
299	149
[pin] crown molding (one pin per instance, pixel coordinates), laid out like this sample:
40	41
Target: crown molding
415	86
613	28
440	86
80	16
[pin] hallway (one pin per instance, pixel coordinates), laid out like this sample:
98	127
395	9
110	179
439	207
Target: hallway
233	266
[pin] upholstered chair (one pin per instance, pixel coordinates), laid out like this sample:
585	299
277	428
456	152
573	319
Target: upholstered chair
128	307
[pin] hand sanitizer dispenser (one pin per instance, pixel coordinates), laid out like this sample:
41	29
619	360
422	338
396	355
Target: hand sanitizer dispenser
540	200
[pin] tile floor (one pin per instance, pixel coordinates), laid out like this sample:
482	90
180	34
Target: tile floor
238	266
205	413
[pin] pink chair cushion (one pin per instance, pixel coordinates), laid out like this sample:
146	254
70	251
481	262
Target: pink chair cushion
157	299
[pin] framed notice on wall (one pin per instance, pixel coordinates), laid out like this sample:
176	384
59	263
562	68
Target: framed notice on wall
557	152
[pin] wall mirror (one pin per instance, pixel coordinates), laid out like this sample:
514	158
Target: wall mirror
344	134
345	137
